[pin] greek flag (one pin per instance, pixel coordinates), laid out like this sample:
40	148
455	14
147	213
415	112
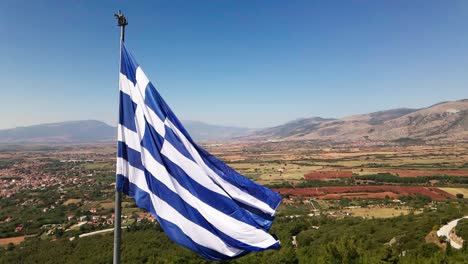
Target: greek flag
200	202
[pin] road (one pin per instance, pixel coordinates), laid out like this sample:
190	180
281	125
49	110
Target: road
445	231
98	232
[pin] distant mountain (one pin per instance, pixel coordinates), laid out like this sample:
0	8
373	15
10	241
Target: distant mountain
94	131
203	131
446	121
71	131
297	127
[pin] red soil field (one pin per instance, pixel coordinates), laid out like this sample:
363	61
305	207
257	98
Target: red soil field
363	192
328	174
14	240
359	195
415	173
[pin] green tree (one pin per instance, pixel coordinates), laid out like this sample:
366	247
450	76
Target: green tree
390	256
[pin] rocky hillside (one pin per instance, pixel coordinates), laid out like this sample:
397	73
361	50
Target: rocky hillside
447	121
203	131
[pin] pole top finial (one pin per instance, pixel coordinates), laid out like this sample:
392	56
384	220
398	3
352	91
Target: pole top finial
121	19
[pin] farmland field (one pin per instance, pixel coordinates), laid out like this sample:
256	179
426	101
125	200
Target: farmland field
13	240
290	161
455	191
71	201
379	212
345	184
418	173
371	192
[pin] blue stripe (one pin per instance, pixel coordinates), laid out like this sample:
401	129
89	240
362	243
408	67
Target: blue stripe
143	200
189	212
273	199
128	65
175	141
174	120
130	155
220	202
152	141
127	111
122	184
262	219
153	100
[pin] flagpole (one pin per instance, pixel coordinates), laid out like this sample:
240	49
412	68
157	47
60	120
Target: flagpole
122	22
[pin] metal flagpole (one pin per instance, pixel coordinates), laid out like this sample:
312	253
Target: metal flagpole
122	22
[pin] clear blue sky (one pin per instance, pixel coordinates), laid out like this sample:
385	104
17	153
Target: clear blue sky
243	63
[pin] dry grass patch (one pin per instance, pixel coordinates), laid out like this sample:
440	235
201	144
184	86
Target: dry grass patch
379	212
72	201
454	191
110	205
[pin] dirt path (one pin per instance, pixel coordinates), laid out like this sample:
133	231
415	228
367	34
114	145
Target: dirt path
96	232
99	232
14	240
446	229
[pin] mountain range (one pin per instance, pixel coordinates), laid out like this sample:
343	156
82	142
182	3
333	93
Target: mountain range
446	121
95	131
70	131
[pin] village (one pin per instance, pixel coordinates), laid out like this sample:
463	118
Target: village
56	194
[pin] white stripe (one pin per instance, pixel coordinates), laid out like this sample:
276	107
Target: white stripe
137	96
232	190
125	85
230	226
189	167
220	220
242	232
128	136
197	233
141	81
158	124
140	122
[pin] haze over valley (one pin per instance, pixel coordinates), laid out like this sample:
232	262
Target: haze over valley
445	121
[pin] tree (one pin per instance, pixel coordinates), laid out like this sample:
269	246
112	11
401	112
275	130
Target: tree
332	254
10	246
448	250
390	256
459	195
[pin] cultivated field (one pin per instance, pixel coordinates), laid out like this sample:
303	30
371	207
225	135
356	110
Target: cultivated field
71	201
419	173
455	191
379	212
366	192
271	162
14	240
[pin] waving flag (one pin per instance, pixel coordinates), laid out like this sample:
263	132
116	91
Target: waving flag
200	202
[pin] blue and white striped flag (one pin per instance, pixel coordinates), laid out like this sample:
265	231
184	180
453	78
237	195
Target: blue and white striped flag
200	202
